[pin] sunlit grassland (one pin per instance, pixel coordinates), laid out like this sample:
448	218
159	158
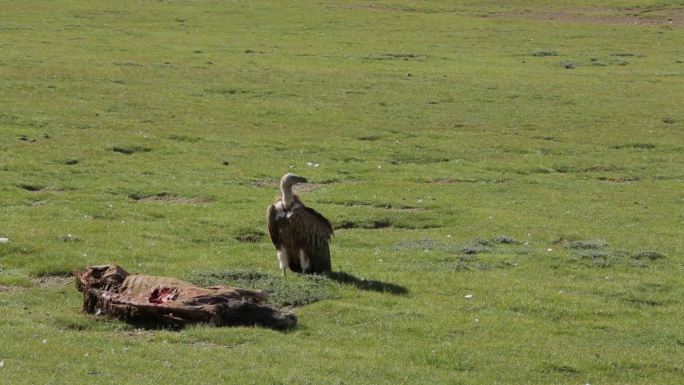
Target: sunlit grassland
153	134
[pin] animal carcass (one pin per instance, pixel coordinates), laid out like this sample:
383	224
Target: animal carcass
168	302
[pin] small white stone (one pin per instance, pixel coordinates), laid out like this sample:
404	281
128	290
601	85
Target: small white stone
4	240
45	341
316	165
468	296
2	364
448	235
477	320
549	249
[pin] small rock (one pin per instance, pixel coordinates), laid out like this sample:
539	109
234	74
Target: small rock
2	364
4	240
468	296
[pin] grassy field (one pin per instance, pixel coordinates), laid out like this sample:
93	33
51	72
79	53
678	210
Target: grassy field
506	180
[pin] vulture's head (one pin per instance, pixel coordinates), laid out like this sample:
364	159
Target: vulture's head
290	180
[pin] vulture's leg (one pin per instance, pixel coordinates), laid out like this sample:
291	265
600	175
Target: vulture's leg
304	261
282	260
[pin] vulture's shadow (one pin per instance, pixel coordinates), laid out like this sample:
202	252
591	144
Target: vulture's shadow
367	284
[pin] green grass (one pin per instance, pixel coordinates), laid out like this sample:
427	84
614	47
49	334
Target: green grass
152	135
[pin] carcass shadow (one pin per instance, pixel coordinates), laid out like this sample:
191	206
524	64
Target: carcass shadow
367	284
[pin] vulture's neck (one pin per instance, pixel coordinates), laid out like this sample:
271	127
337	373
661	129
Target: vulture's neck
288	197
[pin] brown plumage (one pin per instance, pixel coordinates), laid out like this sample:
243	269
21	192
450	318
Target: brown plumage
300	234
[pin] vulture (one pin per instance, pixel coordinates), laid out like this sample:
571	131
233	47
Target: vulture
300	234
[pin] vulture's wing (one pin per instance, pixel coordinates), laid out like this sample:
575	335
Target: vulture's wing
318	231
320	225
271	214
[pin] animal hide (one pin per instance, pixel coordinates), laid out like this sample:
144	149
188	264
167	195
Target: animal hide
169	302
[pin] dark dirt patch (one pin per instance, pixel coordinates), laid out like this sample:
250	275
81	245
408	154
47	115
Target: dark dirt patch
623	180
71	162
130	150
367	224
639	146
227	91
31	187
559	368
165	197
54	281
544	53
545	137
369	138
650	255
646	302
67	238
401	56
184	138
39	188
505	240
250	237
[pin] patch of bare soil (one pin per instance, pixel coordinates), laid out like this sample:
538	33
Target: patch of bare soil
619	180
646	16
170	198
55	281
